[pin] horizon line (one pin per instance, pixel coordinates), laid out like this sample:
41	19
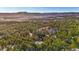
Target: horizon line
39	12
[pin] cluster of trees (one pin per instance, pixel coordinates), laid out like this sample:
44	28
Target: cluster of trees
61	35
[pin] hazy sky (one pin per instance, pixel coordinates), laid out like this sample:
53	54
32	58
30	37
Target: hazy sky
39	9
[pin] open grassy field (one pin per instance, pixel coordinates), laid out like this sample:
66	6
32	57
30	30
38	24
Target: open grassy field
52	35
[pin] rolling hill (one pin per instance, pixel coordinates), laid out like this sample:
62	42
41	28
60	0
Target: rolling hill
24	16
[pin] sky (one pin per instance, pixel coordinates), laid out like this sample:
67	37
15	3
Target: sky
38	9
